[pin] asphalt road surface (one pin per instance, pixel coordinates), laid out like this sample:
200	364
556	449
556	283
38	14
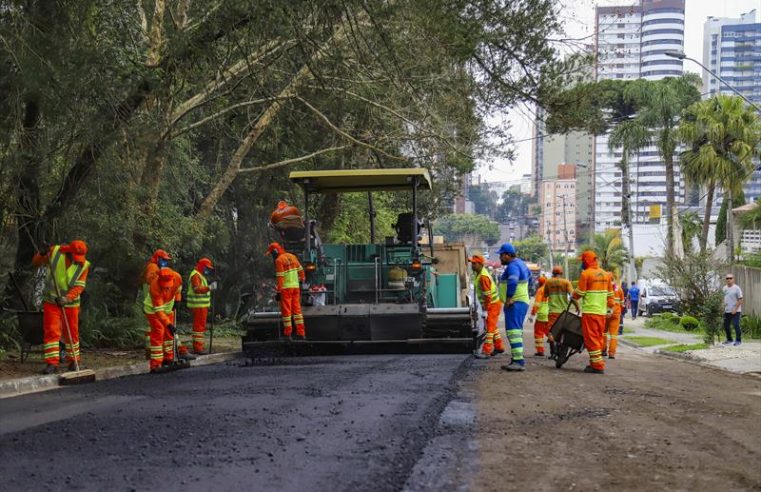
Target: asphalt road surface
333	423
393	422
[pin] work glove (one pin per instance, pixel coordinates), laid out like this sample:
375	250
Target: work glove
44	249
531	318
278	296
213	286
170	328
62	301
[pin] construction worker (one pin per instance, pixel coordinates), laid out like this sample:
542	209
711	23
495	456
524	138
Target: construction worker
286	216
289	274
164	289
199	301
486	293
596	293
160	259
613	320
65	281
539	316
558	291
513	292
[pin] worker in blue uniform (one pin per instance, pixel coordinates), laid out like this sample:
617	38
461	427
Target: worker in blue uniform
513	292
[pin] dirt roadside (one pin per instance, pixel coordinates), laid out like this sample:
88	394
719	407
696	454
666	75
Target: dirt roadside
649	423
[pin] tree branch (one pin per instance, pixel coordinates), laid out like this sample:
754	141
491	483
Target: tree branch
292	161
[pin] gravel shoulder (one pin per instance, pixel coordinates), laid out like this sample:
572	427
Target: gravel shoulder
649	423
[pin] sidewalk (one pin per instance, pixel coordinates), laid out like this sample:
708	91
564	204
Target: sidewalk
745	359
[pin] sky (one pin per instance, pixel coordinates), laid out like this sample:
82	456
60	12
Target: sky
578	18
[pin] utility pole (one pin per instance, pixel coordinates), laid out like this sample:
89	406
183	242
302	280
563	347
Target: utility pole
730	229
632	266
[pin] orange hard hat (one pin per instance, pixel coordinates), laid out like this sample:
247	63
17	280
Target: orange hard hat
557	269
274	247
588	256
166	276
282	204
160	254
477	259
204	263
78	250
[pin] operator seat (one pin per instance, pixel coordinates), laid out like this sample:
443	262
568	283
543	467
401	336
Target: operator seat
403	228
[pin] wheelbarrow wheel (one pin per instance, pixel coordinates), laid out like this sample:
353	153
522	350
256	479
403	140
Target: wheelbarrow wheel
563	352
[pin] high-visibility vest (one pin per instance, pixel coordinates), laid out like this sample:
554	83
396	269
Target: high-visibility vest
195	300
521	290
288	267
64	278
543	309
492	292
557	290
593	290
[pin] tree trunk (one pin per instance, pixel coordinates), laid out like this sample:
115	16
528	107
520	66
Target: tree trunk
707	217
626	208
670	201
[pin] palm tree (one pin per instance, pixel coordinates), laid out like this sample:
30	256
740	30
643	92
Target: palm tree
664	102
610	250
722	135
630	135
691	227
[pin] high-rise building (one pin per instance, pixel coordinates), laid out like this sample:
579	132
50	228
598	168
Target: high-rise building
732	50
558	204
631	42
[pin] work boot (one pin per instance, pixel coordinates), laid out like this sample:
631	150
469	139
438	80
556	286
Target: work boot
592	370
50	369
604	353
487	349
514	366
301	338
166	363
539	354
611	356
497	351
187	356
481	355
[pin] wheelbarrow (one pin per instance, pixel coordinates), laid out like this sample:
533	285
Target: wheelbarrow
568	337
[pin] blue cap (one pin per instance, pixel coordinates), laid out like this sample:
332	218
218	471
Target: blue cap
507	248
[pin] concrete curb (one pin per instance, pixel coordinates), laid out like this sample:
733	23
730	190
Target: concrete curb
688	359
34	384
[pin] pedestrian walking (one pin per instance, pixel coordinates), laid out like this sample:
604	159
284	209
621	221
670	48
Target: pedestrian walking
513	292
64	283
288	273
596	293
633	296
733	302
487	295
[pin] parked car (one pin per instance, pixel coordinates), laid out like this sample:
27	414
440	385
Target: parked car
657	298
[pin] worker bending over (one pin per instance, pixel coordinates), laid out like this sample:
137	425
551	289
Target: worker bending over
164	289
596	293
486	294
64	283
289	274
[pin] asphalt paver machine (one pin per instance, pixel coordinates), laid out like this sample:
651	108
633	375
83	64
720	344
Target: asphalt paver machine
381	296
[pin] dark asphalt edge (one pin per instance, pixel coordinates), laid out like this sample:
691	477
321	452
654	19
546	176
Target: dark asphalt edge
35	384
417	441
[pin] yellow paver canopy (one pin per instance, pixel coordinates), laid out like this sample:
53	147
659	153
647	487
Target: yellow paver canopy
362	180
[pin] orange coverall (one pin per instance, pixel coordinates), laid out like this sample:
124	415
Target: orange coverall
613	323
596	291
159	314
492	307
541	327
52	318
289	273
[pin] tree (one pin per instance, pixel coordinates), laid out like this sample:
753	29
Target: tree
663	103
610	250
532	248
691	226
467	227
724	213
514	206
484	200
722	135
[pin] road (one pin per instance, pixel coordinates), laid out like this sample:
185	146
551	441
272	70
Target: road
393	423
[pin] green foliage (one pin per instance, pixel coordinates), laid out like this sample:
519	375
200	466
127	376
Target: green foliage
352	223
752	260
689	323
751	325
665	322
100	330
752	219
721	221
648	341
532	248
711	315
691	226
514	206
484	200
685	347
467	227
610	251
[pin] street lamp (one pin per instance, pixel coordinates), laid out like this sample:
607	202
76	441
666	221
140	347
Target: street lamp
681	56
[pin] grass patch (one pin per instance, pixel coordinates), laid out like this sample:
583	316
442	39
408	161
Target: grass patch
649	341
628	331
684	347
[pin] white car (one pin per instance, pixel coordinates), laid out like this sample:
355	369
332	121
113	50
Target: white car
656	297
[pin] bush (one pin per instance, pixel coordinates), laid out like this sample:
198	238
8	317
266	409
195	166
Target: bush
689	323
751	325
670	317
99	329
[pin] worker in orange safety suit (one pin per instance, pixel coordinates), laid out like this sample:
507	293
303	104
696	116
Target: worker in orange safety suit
289	274
540	315
285	216
199	300
558	291
160	259
613	320
488	296
163	290
596	293
69	267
